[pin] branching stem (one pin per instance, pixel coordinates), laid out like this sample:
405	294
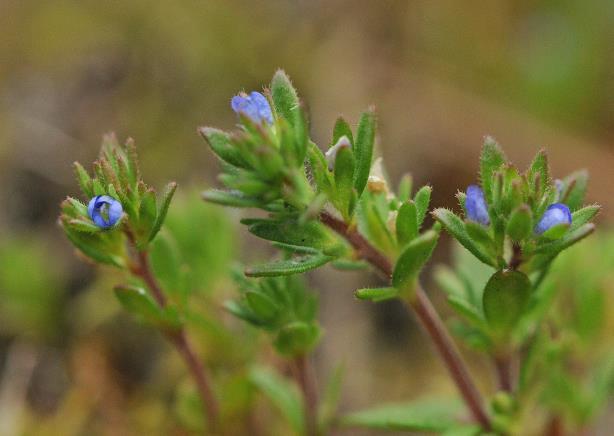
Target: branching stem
427	316
178	338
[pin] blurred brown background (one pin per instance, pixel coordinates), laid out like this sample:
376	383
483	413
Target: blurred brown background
441	73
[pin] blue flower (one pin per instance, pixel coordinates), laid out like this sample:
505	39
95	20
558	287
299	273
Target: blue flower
475	204
255	106
104	211
556	214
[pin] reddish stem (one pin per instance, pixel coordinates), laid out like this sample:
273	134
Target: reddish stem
427	315
503	367
178	338
304	374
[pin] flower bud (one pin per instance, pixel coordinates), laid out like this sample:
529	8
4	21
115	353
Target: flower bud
475	204
255	106
104	211
331	153
556	214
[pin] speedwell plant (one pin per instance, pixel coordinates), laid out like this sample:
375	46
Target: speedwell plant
334	205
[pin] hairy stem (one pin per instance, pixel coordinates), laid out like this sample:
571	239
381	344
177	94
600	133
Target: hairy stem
427	316
304	374
179	339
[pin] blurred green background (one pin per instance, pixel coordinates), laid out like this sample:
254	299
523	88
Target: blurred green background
441	74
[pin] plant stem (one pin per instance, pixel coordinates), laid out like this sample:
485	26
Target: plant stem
427	315
503	367
304	374
178	338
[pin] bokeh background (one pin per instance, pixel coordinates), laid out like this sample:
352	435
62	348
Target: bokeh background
441	75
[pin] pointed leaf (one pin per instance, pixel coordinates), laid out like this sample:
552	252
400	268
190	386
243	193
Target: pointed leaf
222	146
575	191
377	294
431	415
406	223
412	260
230	198
422	200
284	96
344	174
342	128
363	149
456	227
491	159
296	265
166	201
282	393
520	224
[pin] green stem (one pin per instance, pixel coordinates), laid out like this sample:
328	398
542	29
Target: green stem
427	315
179	338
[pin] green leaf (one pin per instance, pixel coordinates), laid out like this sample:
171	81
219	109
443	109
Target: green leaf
319	169
84	180
138	302
491	159
329	403
220	143
311	234
262	305
230	198
297	338
538	174
342	128
282	393
363	149
89	244
410	262
344	174
456	227
553	248
463	430
81	225
422	200
243	312
520	223
376	294
479	233
557	231
505	298
148	211
296	265
406	223
285	99
405	186
575	189
465	309
584	215
431	415
166	201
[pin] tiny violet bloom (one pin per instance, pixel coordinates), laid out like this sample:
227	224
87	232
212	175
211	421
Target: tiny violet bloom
556	214
475	204
331	153
255	106
104	211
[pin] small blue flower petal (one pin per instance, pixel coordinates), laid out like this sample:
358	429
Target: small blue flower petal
475	204
104	211
255	106
556	214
